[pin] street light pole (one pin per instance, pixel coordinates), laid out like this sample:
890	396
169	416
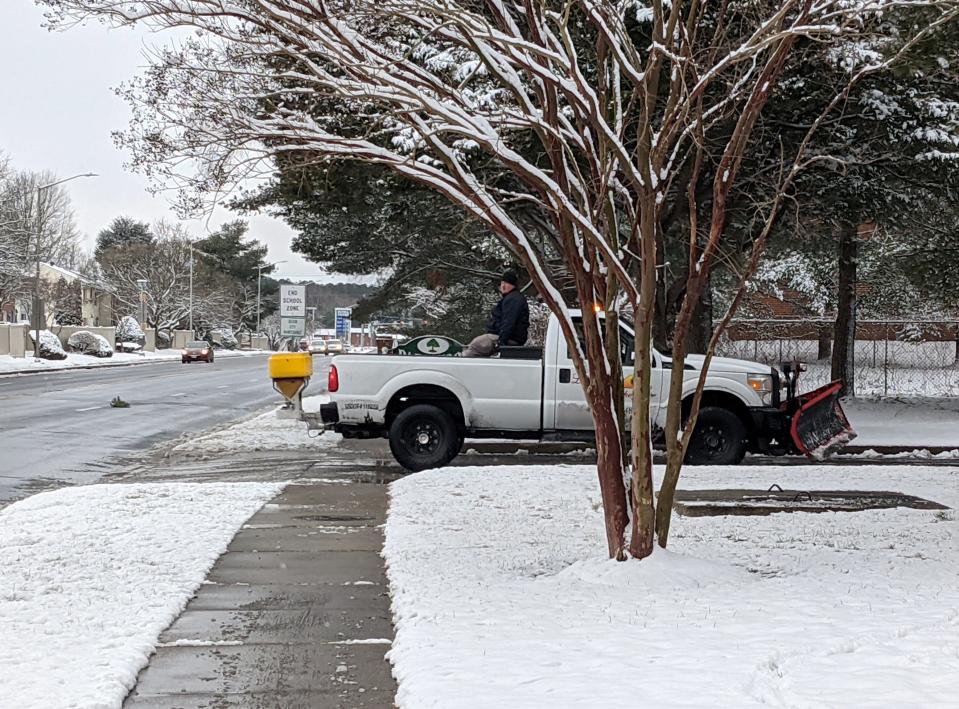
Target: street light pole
191	290
36	284
259	276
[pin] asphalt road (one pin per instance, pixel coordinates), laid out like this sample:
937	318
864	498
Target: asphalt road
58	427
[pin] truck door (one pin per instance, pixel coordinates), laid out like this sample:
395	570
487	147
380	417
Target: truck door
565	407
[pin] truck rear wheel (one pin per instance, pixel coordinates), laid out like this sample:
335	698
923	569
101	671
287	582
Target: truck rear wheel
719	438
423	437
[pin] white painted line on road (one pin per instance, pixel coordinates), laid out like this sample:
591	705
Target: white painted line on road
223	386
90	408
182	393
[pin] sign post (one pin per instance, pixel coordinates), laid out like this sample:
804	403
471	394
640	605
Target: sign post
292	311
343	322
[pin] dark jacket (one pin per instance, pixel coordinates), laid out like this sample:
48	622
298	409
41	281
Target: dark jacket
510	319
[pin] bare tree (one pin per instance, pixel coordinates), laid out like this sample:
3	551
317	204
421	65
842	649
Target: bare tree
34	224
603	115
165	266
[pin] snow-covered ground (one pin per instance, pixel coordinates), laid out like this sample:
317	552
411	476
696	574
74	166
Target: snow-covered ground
264	432
502	596
15	365
90	576
914	423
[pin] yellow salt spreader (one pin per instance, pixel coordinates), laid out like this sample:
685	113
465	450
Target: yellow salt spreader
291	372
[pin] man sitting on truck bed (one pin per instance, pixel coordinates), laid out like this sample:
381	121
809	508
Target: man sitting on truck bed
508	324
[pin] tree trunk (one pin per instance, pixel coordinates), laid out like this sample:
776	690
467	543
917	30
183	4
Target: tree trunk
609	467
825	344
701	324
844	332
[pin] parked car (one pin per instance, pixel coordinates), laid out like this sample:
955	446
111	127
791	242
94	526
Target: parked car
317	347
197	351
334	347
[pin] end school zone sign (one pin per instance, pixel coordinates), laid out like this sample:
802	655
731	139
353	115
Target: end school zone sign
292	301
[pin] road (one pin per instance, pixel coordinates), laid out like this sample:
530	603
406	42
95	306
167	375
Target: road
59	428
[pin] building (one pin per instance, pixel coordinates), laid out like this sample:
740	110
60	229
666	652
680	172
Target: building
96	298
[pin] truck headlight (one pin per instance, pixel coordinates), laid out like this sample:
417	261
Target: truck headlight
760	382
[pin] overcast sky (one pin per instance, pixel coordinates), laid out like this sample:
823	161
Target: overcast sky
57	113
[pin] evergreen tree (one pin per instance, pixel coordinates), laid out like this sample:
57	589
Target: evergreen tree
123	231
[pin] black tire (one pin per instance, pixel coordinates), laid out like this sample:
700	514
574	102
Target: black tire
719	438
423	437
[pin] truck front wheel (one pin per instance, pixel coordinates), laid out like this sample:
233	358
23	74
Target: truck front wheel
423	437
719	438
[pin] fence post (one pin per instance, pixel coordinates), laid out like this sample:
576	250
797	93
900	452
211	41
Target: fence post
885	362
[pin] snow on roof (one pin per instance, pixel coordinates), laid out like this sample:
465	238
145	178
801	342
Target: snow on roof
74	276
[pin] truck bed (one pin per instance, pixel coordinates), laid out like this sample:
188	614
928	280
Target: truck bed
509	391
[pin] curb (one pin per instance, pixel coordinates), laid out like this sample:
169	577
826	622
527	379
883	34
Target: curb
564	447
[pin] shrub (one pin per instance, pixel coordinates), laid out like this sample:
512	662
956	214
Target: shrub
89	343
50	347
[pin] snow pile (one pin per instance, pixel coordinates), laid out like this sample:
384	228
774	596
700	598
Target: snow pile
92	575
502	597
265	432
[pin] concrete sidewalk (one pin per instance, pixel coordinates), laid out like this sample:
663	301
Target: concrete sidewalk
295	615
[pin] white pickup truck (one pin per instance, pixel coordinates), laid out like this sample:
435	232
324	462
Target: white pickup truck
427	405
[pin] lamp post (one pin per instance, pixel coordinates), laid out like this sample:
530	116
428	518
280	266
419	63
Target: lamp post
36	284
259	277
142	285
191	291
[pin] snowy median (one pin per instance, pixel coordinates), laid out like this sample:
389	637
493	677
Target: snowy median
20	365
502	596
263	432
92	575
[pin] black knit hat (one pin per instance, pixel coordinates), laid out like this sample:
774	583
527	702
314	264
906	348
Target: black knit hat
510	277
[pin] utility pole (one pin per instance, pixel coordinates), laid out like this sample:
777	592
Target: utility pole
36	284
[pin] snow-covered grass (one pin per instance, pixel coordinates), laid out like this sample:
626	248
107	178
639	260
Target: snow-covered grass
264	432
916	423
15	365
502	596
92	575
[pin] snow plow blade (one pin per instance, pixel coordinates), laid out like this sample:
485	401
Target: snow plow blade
819	425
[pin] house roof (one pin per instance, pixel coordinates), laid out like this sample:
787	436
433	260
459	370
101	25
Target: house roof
71	276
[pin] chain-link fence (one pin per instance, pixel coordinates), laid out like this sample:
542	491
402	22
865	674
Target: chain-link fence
893	357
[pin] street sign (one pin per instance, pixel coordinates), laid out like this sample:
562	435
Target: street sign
343	323
292	327
292	301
